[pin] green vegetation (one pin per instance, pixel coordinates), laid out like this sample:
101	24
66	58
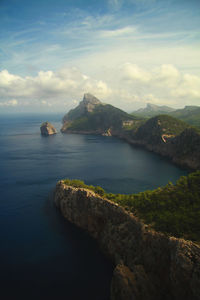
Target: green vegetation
173	209
101	119
189	114
80	184
152	130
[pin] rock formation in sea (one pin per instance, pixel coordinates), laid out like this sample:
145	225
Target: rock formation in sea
47	129
148	265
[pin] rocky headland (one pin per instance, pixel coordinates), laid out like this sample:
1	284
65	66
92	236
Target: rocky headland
148	265
162	134
47	129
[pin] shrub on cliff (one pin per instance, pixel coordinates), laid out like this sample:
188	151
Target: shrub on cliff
80	184
173	209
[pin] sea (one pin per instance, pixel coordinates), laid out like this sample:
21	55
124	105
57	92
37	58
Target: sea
42	255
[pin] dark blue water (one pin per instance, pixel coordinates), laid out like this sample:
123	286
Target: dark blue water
42	255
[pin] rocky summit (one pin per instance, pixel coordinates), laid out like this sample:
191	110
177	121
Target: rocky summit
47	129
87	105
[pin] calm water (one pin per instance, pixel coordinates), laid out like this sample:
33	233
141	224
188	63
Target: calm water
42	255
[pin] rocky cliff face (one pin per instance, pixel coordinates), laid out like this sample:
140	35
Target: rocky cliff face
168	137
88	104
183	149
148	265
47	129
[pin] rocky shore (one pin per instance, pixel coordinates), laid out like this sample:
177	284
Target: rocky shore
148	265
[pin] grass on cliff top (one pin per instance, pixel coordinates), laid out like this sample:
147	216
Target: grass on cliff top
80	184
172	209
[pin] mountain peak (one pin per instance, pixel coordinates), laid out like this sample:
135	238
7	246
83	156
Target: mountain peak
87	105
89	98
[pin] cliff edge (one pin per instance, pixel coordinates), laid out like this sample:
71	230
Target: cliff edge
148	265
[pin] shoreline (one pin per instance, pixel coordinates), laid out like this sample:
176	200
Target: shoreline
148	264
141	144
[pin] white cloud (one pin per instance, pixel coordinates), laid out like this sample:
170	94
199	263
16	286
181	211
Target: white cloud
129	86
133	72
124	31
12	102
49	88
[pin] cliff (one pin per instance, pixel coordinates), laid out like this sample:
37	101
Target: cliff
87	105
168	137
148	265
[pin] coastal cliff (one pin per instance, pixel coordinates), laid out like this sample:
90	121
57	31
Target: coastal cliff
167	137
162	134
148	265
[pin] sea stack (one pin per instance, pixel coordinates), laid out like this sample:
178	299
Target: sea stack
47	129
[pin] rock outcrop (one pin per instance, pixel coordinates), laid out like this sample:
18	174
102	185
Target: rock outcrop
148	264
87	105
47	129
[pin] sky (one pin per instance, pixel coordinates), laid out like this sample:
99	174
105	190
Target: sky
125	52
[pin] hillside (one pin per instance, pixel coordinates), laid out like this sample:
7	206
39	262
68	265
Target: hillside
93	116
147	264
160	129
172	209
152	110
171	138
189	114
162	134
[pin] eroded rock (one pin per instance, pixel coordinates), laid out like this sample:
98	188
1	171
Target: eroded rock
47	129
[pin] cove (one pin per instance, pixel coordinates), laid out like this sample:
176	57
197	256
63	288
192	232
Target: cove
42	255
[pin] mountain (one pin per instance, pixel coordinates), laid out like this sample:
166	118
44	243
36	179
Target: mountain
152	110
93	116
159	129
189	114
171	138
162	134
88	104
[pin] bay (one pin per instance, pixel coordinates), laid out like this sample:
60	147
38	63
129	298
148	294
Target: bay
42	255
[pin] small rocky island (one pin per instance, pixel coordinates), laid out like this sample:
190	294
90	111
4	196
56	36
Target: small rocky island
47	129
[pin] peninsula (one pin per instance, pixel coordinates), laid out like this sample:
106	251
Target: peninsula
148	264
162	134
153	237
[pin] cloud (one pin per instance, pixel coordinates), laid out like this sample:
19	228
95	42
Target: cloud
161	85
133	72
120	32
49	88
127	86
12	102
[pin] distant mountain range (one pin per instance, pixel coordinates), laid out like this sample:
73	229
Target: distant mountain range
189	114
162	134
152	110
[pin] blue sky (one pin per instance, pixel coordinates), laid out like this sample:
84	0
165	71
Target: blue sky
126	52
